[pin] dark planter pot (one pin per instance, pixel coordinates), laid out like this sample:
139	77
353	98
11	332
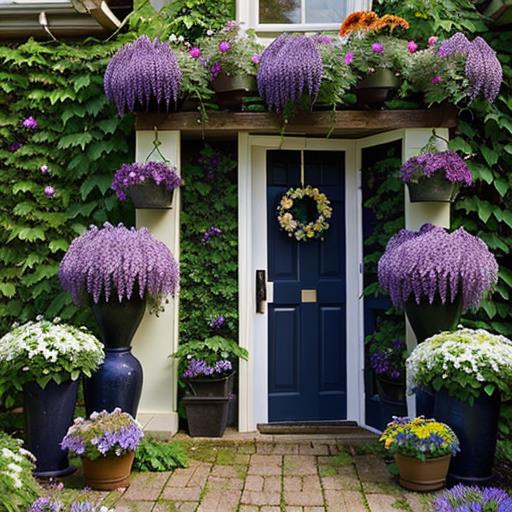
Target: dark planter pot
425	400
151	196
476	427
211	387
207	416
429	319
118	321
232	410
389	408
117	383
48	415
391	390
230	90
376	87
435	189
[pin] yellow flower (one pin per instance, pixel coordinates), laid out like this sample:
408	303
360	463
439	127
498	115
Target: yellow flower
286	203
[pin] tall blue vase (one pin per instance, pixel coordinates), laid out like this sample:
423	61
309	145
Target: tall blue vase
118	381
48	415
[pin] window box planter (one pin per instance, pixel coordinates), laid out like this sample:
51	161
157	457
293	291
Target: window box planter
231	89
374	89
416	475
207	416
108	473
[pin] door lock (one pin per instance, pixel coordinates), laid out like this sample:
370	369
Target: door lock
261	291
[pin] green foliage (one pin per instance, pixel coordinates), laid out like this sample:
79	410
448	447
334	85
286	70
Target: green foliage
81	141
153	455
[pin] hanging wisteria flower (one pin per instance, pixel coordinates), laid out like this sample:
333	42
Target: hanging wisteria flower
211	232
42	351
463	362
49	191
131	175
113	262
458	43
29	123
427	164
142	71
290	67
462	498
103	434
434	263
198	368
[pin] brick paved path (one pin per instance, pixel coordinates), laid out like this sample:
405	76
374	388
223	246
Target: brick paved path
270	477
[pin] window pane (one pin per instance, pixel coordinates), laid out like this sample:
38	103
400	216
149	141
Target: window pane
280	11
325	11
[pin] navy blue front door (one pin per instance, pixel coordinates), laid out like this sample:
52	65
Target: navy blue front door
307	340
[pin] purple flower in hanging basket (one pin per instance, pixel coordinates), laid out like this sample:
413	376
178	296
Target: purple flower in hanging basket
195	52
412	46
290	67
349	58
215	69
131	175
114	262
142	71
29	123
434	263
377	48
426	165
462	498
224	46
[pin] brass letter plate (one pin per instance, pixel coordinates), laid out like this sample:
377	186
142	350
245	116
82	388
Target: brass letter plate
308	295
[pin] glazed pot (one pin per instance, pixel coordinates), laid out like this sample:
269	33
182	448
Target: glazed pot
476	426
416	475
108	473
48	415
150	195
435	189
230	90
391	390
374	89
207	416
211	387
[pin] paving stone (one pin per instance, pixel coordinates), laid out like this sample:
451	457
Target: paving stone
345	501
138	492
186	506
270	509
303	498
294	509
265	448
311	483
371	468
201	475
181	493
381	502
266	459
168	506
292	483
416	503
254	483
241	458
134	506
286	449
272	484
300	465
314	509
264	469
224	471
220	501
225	484
313	449
248	448
248	508
181	477
260	498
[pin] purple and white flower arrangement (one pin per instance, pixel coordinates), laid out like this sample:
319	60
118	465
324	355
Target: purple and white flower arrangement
433	263
54	504
115	262
134	174
462	498
199	368
104	434
141	72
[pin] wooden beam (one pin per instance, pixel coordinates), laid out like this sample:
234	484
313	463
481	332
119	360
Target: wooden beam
308	123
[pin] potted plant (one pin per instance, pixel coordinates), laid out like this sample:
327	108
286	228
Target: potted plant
117	270
148	184
422	449
435	275
435	176
45	360
142	75
463	497
372	49
232	57
470	372
106	442
19	487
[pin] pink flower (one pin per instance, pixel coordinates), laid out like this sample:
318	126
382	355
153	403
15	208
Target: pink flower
377	48
195	52
436	79
412	46
44	169
49	191
432	40
224	47
349	58
256	58
29	123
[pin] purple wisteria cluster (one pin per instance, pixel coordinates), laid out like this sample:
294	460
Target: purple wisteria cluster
211	232
113	261
425	165
482	69
142	71
462	498
290	67
131	175
199	368
434	263
104	433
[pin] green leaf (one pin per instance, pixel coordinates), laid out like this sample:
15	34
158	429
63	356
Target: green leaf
501	186
75	139
485	210
490	156
7	289
58	245
81	81
102	182
459	144
489	389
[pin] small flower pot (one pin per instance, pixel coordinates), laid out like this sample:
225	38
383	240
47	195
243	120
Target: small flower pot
374	89
435	189
207	416
419	476
151	196
108	473
220	387
230	90
391	390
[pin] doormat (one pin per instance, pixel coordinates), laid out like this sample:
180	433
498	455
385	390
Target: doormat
312	427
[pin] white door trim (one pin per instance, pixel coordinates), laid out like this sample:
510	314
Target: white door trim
252	217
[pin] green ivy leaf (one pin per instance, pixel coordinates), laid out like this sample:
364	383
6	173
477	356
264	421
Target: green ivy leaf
490	156
58	245
7	290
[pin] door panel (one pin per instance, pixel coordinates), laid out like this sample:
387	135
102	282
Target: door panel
307	340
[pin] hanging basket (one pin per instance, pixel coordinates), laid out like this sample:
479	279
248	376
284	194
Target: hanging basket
151	196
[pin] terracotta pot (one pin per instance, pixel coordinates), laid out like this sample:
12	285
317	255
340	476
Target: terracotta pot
108	473
416	475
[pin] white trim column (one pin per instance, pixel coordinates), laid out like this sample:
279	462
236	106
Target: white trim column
157	337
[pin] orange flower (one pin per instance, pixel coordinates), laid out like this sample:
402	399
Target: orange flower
391	21
359	20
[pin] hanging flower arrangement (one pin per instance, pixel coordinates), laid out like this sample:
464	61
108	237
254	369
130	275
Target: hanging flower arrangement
303	213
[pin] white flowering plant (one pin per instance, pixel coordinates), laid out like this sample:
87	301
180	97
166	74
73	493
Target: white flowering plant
18	487
464	362
42	351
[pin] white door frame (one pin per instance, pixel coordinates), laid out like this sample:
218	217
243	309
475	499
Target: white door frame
252	217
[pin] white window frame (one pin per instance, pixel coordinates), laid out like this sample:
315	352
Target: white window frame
247	13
